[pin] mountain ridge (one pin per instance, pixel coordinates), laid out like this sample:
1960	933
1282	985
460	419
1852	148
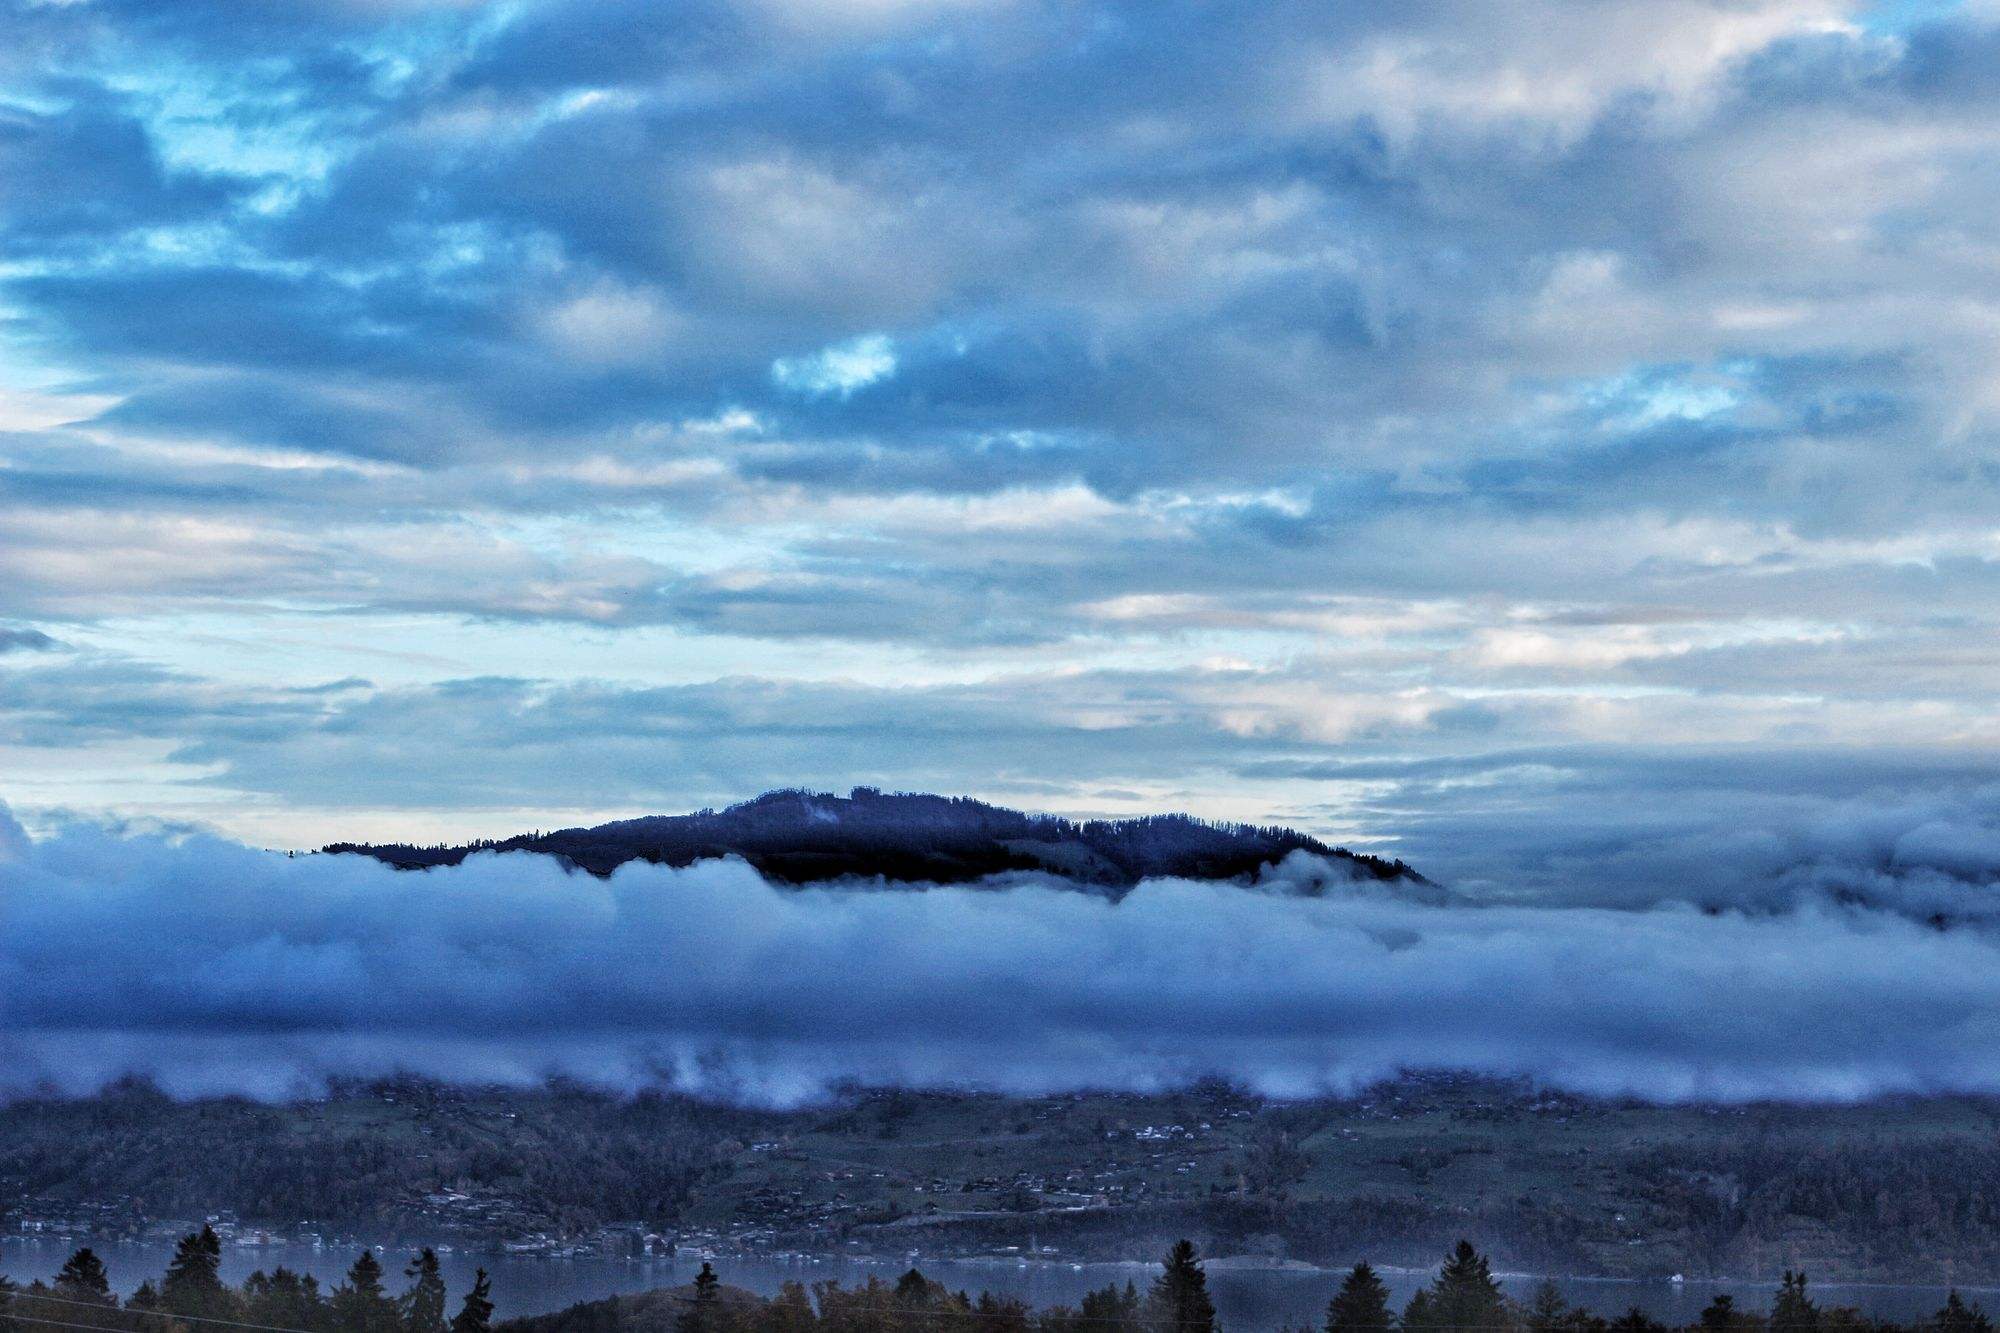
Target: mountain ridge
797	836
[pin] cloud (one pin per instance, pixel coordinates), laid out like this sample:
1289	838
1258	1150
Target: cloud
216	968
1770	829
1287	383
25	641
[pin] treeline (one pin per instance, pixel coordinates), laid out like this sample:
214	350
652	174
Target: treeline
1176	1302
1463	1298
191	1297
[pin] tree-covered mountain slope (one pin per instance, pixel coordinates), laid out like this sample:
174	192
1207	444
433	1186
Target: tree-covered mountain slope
800	837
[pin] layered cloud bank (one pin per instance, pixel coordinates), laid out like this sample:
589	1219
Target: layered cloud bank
1087	398
211	967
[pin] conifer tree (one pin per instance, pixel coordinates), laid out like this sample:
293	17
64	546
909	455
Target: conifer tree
1793	1311
1464	1295
82	1278
700	1314
146	1298
1958	1317
476	1315
1110	1310
7	1290
1000	1314
1361	1304
283	1299
422	1306
1547	1311
193	1286
360	1304
1180	1294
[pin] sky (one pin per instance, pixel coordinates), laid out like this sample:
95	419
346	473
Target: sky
1554	444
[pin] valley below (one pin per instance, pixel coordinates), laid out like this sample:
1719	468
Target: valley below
1904	1190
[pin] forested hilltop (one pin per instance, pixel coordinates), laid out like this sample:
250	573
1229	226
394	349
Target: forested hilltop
800	837
1905	1191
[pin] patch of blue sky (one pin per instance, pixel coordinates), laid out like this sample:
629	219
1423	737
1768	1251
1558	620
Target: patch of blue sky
229	124
1647	396
1896	16
839	370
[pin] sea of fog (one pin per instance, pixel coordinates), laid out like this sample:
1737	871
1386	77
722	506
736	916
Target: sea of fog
1248	1299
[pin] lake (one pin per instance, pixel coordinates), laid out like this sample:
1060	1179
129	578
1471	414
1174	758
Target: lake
1248	1300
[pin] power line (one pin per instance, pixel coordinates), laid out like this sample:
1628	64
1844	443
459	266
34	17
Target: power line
107	1328
31	1296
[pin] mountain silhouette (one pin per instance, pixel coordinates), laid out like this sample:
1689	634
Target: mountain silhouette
800	837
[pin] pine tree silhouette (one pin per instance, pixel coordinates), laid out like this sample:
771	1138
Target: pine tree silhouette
1361	1304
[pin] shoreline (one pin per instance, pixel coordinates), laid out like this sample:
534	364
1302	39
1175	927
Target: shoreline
1230	1265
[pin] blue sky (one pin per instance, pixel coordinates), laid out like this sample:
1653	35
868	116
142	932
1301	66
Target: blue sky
1540	441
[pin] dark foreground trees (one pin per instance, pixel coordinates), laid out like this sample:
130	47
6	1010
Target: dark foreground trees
476	1315
1362	1305
1464	1297
1180	1294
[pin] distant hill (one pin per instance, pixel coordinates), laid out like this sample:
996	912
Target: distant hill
799	837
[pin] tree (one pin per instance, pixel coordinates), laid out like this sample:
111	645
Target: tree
1636	1320
1547	1311
1000	1314
1362	1303
1110	1310
7	1290
1464	1295
700	1314
360	1305
193	1287
790	1311
1180	1294
1720	1314
476	1315
1271	1165
1793	1311
82	1278
1958	1317
422	1306
284	1299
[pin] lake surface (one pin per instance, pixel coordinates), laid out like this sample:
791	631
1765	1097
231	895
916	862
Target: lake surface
1249	1300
